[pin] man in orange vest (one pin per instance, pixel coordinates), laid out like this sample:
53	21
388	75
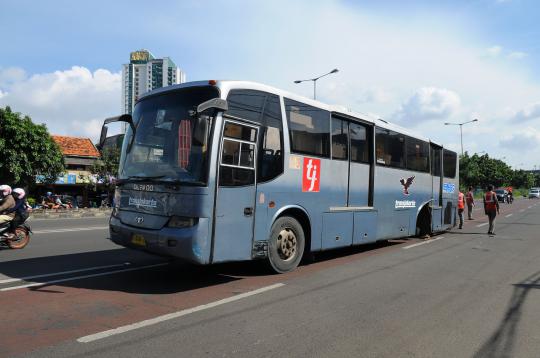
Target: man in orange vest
460	208
470	202
491	206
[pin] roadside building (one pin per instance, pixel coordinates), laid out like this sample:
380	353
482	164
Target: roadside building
78	184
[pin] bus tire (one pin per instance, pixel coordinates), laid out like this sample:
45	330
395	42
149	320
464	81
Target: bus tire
286	244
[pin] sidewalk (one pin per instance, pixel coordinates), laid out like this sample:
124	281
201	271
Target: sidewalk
70	213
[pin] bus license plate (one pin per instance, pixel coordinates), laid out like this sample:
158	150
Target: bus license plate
138	240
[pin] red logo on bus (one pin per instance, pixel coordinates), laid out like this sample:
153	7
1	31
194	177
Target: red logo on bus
311	176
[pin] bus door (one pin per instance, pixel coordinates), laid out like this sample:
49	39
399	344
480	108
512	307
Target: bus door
235	201
361	174
436	175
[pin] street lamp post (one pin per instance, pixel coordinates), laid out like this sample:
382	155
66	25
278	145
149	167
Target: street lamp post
460	129
315	81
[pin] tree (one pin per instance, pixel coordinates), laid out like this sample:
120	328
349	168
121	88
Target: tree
106	169
26	151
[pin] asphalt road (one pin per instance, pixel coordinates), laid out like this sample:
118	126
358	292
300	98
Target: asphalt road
460	294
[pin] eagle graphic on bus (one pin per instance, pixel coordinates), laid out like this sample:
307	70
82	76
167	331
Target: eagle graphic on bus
406	184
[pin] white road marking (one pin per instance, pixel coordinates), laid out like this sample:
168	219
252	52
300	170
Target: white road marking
483	224
422	243
522	210
80	277
169	316
62	273
507	216
530	207
71	229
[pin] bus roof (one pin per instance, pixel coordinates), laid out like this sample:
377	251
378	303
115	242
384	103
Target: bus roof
227	85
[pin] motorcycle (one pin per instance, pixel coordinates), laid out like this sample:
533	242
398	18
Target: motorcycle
15	238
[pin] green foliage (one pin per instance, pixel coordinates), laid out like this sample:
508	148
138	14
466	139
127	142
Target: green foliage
480	171
27	150
106	169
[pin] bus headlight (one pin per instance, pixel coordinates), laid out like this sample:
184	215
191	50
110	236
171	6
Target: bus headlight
182	221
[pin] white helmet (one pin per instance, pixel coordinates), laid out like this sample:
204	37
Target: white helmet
20	192
5	189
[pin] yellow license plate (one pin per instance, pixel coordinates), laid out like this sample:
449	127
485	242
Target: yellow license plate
138	240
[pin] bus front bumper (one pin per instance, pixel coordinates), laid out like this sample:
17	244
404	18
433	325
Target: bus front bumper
191	244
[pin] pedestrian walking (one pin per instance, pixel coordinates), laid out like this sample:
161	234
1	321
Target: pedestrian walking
470	202
460	208
491	207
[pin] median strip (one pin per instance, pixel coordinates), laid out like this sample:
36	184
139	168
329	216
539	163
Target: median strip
169	316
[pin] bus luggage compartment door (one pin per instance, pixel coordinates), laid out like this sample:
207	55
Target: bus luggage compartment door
365	227
337	229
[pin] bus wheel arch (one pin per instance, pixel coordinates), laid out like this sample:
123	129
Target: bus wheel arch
423	221
289	240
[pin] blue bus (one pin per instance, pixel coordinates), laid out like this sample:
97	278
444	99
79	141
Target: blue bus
216	171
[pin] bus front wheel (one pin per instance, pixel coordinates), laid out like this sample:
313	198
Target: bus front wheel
286	244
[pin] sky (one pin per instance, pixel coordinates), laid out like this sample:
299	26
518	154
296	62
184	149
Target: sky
419	64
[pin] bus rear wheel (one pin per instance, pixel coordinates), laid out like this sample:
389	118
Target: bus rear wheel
286	244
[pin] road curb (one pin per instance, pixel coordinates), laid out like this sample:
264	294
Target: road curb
75	213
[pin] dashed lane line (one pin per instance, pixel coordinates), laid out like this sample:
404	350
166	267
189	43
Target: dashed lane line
26	278
89	228
422	243
522	211
507	216
36	284
483	224
169	316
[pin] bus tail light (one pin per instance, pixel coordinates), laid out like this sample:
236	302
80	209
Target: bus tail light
182	221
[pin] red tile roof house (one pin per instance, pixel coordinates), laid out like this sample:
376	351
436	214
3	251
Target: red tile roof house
80	155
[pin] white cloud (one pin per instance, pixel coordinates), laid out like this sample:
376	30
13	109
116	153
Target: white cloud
494	51
531	111
70	102
517	55
526	139
11	75
428	103
2	94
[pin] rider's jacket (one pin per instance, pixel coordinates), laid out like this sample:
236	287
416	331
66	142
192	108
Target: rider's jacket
7	204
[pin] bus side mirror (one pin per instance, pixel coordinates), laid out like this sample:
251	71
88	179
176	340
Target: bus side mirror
214	103
123	118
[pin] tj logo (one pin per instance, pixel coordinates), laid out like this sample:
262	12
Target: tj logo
311	175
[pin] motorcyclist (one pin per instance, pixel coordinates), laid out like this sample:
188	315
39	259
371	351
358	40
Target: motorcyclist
7	202
20	209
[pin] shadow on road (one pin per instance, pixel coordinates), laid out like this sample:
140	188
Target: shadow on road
174	277
502	341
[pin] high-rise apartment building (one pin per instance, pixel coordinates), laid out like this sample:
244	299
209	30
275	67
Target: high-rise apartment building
144	73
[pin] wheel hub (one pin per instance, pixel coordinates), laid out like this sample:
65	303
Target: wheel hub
287	244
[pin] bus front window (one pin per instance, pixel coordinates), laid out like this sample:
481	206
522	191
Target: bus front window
170	143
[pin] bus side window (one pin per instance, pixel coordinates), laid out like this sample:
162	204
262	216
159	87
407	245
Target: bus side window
340	139
264	109
449	163
390	147
309	129
359	143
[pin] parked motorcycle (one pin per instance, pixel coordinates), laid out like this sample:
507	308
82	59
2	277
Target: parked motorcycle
15	238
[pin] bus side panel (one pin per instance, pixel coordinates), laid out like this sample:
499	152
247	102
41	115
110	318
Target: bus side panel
337	230
365	227
397	205
359	184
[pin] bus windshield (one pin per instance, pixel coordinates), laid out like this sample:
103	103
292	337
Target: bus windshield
170	143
